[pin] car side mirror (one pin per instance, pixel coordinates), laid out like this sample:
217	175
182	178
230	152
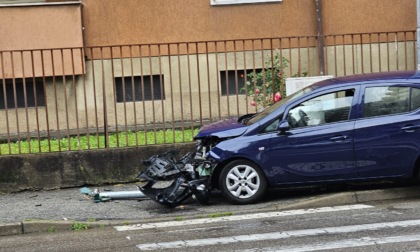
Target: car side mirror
282	127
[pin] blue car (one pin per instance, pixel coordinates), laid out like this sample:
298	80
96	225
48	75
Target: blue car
364	127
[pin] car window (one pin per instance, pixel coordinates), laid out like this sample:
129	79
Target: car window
327	108
381	101
276	105
271	127
415	99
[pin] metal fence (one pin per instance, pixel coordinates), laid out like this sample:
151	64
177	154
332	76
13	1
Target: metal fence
130	95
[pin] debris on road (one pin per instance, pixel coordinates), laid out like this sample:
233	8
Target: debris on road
98	196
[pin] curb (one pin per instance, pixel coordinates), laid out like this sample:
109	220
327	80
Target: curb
334	199
356	197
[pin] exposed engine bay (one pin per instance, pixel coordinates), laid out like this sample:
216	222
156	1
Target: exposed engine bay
169	181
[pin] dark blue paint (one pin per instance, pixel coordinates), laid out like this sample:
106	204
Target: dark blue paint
356	149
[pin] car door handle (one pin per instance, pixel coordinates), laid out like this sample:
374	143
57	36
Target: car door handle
339	138
410	128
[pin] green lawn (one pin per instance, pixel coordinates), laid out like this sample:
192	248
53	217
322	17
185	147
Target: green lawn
123	139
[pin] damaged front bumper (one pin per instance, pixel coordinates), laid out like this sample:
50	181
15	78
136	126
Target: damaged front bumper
170	182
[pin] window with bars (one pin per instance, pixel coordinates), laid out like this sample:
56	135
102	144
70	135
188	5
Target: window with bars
21	93
140	88
232	82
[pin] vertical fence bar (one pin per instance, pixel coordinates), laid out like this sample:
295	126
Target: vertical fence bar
308	44
370	53
47	120
299	57
145	128
208	82
152	92
245	74
405	51
124	97
36	102
190	87
65	101
95	102
76	107
15	103
344	56
396	51
290	57
226	78
56	102
162	101
6	109
415	49
353	53
263	72
387	52
235	65
218	80
134	95
254	72
199	83
114	94
335	55
82	63
25	100
180	90
104	101
172	93
379	52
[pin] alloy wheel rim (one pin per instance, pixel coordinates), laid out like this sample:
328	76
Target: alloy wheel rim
243	181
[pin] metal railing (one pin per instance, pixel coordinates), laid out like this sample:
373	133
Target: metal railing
130	95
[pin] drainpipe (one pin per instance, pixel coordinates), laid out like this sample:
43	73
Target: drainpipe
418	35
320	35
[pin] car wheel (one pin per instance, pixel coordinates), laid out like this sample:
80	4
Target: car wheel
242	182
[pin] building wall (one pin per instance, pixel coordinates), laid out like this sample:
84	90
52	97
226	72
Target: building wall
115	22
192	91
191	83
27	29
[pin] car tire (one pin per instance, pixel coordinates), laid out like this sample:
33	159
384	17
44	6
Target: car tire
242	182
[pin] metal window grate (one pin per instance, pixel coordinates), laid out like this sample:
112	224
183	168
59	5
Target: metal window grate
129	89
14	91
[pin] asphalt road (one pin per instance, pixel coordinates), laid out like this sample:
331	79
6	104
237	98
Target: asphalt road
59	210
381	226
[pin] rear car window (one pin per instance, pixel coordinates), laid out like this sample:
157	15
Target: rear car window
415	98
380	101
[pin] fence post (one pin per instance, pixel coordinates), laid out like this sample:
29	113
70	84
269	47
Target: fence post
320	36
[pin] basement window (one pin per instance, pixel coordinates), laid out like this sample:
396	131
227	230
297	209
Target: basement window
139	88
232	82
223	2
21	93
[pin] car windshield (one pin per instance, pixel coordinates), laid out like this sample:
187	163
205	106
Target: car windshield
276	105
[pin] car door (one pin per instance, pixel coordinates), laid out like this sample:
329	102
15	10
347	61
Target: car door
386	139
319	144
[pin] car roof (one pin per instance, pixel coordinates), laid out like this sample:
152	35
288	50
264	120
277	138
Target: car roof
393	75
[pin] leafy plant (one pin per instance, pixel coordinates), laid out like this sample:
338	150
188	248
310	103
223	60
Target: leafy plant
269	85
79	226
51	229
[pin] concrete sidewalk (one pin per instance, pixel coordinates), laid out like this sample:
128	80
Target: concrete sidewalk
66	209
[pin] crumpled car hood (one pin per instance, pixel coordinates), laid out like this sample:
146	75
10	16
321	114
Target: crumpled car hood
222	129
